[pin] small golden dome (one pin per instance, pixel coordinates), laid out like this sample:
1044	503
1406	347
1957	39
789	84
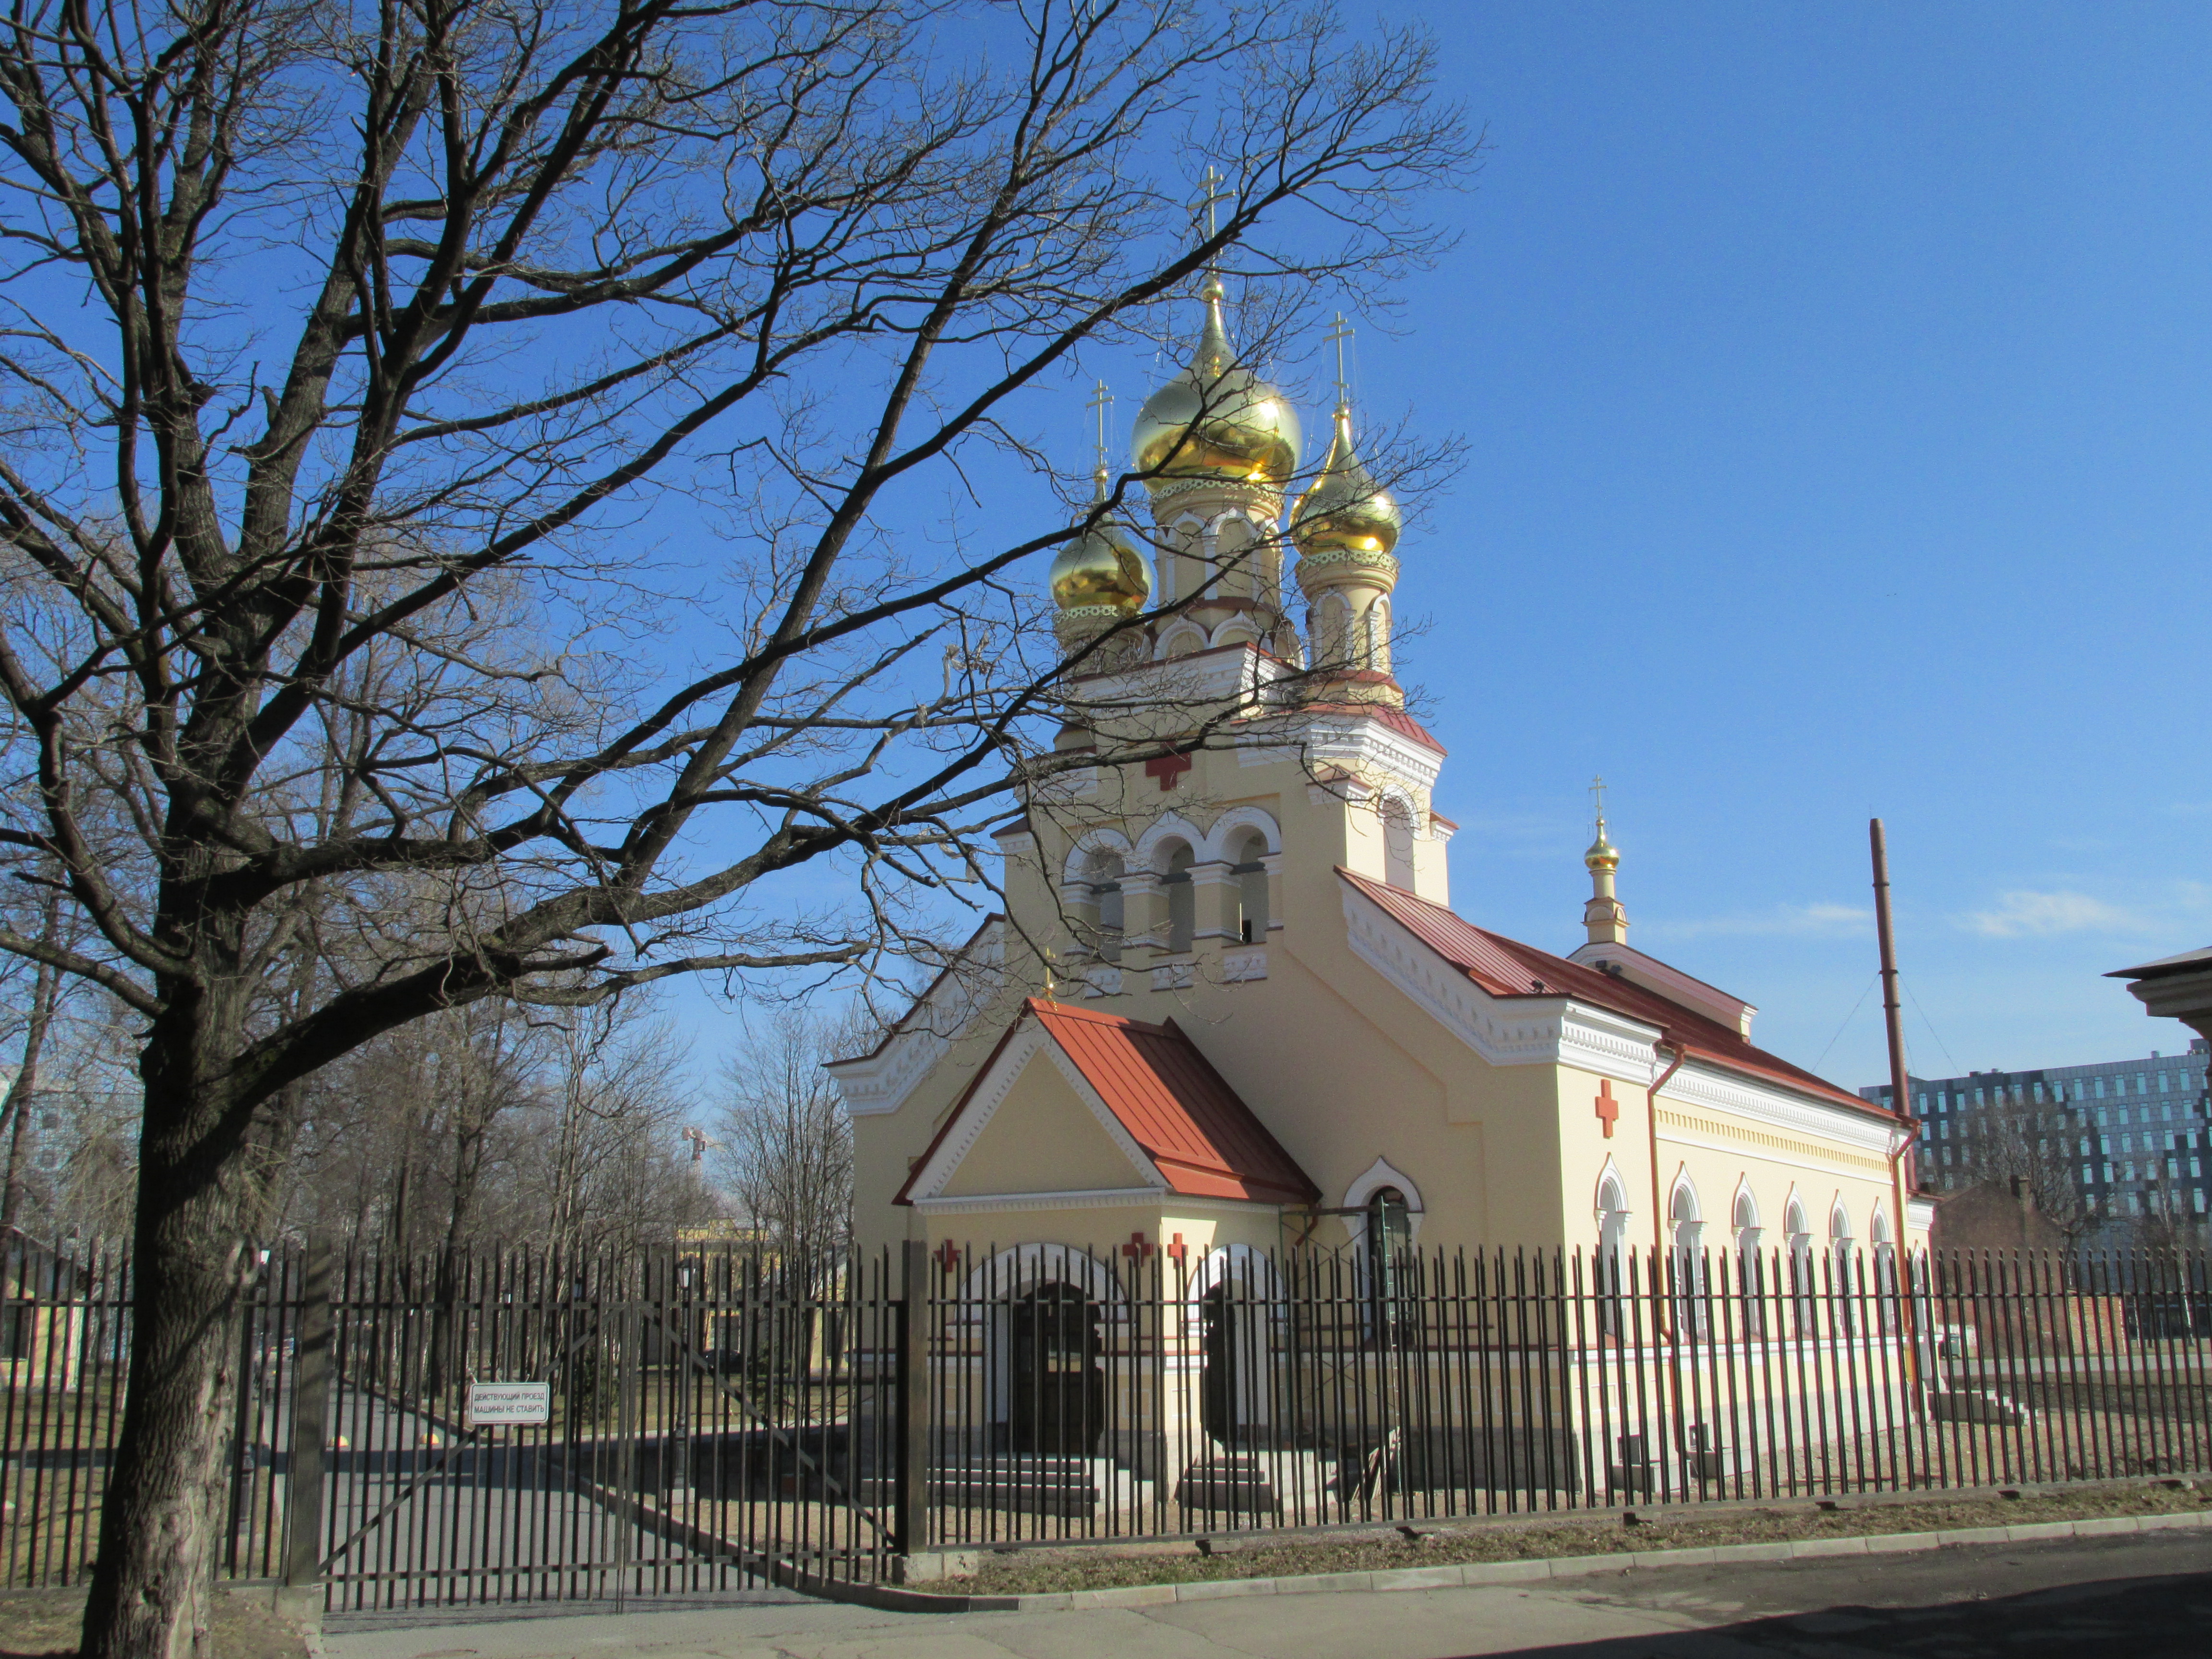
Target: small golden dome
1217	419
1344	511
1602	855
1104	566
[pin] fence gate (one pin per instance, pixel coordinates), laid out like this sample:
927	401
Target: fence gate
522	1427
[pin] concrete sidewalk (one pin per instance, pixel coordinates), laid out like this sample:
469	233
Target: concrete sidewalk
2141	1597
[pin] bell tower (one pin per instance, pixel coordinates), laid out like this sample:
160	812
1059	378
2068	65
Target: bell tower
1347	528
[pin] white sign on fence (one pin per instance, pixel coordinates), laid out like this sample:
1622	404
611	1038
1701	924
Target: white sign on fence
510	1402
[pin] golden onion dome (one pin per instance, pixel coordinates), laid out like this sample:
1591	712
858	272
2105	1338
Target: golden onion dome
1344	510
1602	855
1103	565
1217	419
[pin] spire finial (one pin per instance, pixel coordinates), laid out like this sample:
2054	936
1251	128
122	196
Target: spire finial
1597	798
1101	401
1338	334
1603	916
1209	201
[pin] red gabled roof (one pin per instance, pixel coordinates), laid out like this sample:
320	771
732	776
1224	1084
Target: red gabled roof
1172	1103
1507	967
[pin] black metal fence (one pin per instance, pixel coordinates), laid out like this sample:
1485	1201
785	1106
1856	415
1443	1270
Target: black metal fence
515	1426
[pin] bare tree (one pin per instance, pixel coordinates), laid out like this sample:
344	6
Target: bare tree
786	1150
2031	1141
372	371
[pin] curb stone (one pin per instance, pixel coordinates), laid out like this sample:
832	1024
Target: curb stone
1475	1574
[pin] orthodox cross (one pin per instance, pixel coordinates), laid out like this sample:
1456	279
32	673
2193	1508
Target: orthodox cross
1167	768
1609	1108
1337	336
1597	798
1101	401
1210	198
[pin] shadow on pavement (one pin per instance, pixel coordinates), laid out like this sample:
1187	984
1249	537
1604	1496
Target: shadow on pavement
2167	1617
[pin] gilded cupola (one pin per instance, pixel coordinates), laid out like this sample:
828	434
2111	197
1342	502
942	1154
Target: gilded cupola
1216	421
1102	576
1345	512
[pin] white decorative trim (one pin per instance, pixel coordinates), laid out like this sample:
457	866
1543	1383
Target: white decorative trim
1102	982
878	1083
1599	1207
1238	966
1367	743
1093	1198
1096	840
1919	1213
1025	1265
1168	826
1743	1190
1527	1031
1684	1183
1239	818
990	1093
1174	975
1701	1084
1380	1173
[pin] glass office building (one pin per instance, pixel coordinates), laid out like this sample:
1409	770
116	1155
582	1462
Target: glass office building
2128	1125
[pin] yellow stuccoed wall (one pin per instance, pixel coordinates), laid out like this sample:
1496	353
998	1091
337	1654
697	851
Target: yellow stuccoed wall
1342	1066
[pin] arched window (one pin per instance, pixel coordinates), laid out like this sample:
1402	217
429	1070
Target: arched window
1688	1226
1801	1267
1183	899
1377	655
1750	1269
1329	622
1105	874
1842	1261
1389	1234
1251	872
1398	843
1612	1263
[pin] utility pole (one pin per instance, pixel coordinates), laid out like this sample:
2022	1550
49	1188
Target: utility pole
1901	1096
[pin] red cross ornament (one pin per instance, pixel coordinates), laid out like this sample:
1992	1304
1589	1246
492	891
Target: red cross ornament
1167	768
948	1255
1609	1108
1176	1251
1137	1247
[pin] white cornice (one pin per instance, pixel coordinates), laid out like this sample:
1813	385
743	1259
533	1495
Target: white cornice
1699	1083
1096	1198
1523	1031
876	1083
1344	738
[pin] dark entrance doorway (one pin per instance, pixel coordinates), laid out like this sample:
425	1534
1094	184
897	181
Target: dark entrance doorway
1058	1379
1233	1401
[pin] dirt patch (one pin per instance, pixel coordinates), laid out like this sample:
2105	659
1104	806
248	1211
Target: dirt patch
1037	1571
44	1623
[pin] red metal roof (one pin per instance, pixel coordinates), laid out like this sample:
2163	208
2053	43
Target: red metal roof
1173	1104
1507	967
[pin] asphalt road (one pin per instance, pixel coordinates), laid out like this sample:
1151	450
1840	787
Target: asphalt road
2144	1597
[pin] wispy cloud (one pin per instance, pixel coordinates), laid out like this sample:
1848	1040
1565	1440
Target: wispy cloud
1824	920
2024	915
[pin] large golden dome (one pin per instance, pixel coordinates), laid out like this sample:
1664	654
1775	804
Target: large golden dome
1217	419
1344	511
1104	566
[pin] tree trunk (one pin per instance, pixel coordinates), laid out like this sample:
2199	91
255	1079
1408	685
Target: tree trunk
193	1257
46	997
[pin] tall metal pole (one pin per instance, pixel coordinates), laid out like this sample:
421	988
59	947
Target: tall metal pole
1899	1095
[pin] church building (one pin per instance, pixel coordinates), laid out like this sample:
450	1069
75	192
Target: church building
1230	1009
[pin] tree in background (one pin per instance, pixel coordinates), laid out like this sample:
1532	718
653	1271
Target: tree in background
2013	1137
786	1150
375	372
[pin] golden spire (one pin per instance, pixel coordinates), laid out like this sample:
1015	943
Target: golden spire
1103	568
1345	514
1604	918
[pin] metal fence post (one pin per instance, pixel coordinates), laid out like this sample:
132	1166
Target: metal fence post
911	1395
311	1403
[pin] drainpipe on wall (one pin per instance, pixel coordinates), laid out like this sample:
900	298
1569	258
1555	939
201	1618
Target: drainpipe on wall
1661	1320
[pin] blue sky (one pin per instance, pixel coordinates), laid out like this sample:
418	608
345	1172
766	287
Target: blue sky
1837	383
1837	386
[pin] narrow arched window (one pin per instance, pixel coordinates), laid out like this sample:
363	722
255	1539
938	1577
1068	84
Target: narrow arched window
1106	891
1389	1234
1182	900
1251	872
1398	843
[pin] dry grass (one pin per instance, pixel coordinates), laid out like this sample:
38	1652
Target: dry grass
43	1623
1035	1571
